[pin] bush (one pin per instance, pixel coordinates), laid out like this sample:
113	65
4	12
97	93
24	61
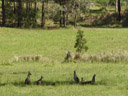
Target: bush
125	20
106	19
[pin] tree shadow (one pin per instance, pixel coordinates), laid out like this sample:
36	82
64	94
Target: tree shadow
101	83
2	84
19	72
50	83
99	26
44	83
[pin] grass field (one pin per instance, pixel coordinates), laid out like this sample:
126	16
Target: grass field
111	78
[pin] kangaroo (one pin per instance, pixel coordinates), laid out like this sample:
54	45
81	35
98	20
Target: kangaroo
92	81
27	80
76	79
69	55
39	82
82	80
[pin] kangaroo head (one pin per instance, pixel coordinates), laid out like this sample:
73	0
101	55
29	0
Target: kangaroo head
82	79
29	74
41	77
74	71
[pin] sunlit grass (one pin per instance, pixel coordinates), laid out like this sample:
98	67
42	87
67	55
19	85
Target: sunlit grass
111	78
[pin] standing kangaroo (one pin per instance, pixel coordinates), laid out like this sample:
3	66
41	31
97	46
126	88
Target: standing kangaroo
76	79
39	82
93	79
27	80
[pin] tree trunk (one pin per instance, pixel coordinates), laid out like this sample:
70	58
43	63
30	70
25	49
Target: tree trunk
116	5
43	16
75	20
27	5
119	10
127	4
30	4
61	19
35	5
19	13
14	5
47	10
67	19
64	22
3	13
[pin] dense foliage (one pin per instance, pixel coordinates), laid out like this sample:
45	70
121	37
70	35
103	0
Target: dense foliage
80	44
44	13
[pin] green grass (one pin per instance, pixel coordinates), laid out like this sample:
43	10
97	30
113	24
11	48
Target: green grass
111	78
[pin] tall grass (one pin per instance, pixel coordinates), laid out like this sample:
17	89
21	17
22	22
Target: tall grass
114	57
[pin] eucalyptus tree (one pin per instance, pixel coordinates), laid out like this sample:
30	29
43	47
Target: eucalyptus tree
78	7
116	5
127	4
19	13
63	11
119	10
43	13
3	13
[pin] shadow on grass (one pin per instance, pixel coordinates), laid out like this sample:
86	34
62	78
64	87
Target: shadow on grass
44	83
100	26
2	84
101	83
49	83
19	72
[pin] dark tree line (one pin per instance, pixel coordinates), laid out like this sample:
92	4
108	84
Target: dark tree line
3	13
17	13
20	13
24	13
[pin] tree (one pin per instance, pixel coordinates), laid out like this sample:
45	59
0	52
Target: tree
19	13
63	11
80	44
43	14
14	5
127	4
116	5
35	5
119	10
3	13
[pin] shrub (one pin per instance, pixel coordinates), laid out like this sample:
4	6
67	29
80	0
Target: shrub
125	20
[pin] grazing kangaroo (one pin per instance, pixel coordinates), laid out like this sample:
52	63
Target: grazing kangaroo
39	82
92	81
27	80
76	79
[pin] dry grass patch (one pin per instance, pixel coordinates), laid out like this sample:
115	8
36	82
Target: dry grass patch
30	58
114	57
